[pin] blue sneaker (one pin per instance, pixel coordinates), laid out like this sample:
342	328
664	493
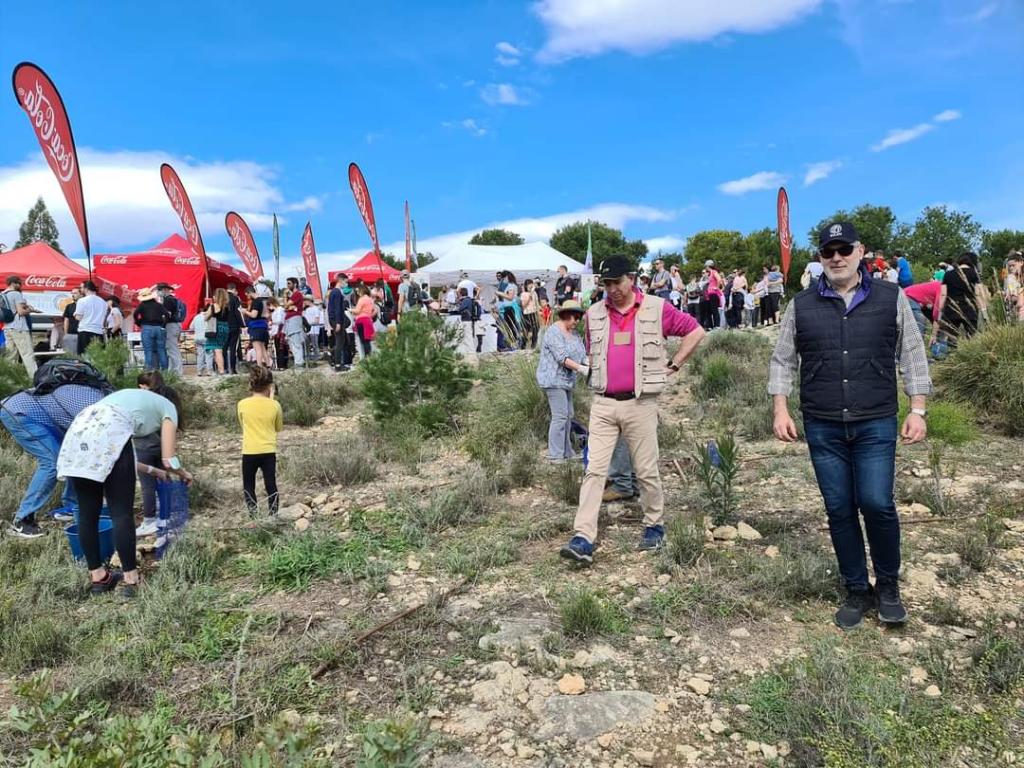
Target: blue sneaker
63	515
652	538
578	550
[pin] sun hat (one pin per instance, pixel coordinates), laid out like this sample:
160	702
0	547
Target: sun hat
570	306
145	294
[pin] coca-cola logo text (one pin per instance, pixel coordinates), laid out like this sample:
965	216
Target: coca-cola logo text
39	281
785	237
181	207
243	245
113	259
362	198
44	118
188	261
309	254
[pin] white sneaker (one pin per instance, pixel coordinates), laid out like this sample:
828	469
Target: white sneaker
148	527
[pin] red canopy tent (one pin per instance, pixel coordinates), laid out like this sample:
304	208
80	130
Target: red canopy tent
368	270
174	262
44	270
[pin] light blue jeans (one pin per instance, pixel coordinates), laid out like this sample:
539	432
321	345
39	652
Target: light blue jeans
560	402
42	442
154	345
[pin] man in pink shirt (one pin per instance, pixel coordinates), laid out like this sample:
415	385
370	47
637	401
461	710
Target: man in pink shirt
625	337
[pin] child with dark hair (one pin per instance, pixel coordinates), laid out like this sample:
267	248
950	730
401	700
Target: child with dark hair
261	418
148	451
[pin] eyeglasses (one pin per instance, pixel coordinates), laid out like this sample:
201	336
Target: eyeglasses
841	250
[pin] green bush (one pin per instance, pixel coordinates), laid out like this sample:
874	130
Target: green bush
415	374
985	373
13	376
998	661
587	614
953	423
510	407
326	464
394	744
308	396
684	540
297	560
112	359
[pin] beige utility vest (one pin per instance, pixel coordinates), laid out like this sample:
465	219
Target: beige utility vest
649	359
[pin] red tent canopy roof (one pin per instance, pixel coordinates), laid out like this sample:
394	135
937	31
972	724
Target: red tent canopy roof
368	270
177	246
43	268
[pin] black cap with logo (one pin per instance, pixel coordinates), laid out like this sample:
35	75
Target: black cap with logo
837	232
615	267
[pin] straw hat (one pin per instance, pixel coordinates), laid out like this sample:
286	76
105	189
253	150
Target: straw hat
570	306
146	294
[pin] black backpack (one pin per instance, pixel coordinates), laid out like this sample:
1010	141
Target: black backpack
60	371
6	312
474	312
414	297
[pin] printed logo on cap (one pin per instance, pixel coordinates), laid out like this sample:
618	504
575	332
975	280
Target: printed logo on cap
836	230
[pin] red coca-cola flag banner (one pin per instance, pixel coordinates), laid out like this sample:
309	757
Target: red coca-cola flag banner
785	236
408	241
362	197
245	246
309	262
38	96
181	205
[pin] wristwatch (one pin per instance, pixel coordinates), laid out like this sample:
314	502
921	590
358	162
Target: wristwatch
673	366
919	412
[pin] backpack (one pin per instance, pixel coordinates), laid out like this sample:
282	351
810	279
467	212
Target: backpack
6	313
180	310
415	295
60	371
475	311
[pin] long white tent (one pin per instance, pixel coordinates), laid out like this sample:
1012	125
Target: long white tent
479	263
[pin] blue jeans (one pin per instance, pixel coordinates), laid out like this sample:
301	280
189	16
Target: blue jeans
620	471
42	442
154	345
855	463
560	403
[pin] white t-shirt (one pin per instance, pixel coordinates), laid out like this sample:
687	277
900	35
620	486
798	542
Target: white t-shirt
313	316
115	319
469	285
12	299
91	312
276	319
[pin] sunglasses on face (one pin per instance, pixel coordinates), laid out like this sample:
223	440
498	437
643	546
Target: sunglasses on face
842	250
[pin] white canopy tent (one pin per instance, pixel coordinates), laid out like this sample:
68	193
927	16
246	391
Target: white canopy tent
479	263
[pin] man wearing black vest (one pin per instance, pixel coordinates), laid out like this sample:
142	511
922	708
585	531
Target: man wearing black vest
846	336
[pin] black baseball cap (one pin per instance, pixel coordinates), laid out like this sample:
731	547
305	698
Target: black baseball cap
615	267
837	232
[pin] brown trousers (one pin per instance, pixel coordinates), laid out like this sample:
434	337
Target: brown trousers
637	421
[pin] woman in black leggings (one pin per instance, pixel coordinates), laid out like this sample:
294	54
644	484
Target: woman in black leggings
97	458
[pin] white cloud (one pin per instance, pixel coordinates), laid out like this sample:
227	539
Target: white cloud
902	135
508	54
532	229
754	183
126	203
818	171
665	244
471	125
947	115
587	28
504	93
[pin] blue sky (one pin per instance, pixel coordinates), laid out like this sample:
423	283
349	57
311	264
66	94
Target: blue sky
663	117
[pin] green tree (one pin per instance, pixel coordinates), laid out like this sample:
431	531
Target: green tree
941	234
876	226
726	247
39	226
997	244
606	241
496	237
398	262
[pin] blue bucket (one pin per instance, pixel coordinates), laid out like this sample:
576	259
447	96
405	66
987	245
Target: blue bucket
106	527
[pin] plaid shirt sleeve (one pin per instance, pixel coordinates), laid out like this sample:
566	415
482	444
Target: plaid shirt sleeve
910	352
783	366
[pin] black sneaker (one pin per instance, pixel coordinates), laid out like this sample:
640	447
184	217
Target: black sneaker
106	584
858	602
26	528
890	607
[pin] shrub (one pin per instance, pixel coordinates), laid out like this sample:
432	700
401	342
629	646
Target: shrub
112	359
587	614
986	372
952	423
717	467
13	376
465	501
394	744
308	396
563	482
471	558
999	661
327	464
684	541
416	374
510	406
